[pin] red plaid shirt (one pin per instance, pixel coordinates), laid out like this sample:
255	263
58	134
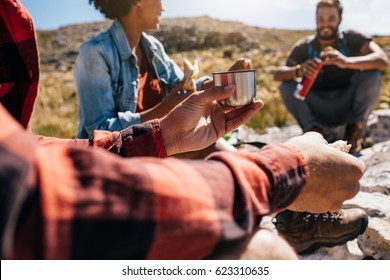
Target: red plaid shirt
68	200
19	61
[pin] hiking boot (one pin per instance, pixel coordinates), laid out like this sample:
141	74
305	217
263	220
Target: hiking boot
315	128
307	232
352	135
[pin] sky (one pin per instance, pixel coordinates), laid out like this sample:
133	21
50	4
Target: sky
368	16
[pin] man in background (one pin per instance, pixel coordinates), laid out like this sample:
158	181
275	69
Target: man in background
348	87
345	92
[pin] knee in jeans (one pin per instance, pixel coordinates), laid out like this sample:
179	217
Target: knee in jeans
373	77
287	87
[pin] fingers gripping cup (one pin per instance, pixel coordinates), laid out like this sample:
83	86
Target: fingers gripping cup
245	83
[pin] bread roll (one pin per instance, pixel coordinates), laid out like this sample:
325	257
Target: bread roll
191	72
341	145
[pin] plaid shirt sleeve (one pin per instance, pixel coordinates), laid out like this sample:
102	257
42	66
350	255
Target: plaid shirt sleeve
90	204
137	140
19	61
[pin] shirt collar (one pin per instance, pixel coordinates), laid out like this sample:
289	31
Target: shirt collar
119	36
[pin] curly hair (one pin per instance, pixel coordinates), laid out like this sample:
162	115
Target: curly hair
329	4
113	9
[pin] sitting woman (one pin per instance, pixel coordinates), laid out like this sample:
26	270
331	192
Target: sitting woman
123	76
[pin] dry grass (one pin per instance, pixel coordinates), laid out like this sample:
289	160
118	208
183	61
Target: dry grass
55	112
56	109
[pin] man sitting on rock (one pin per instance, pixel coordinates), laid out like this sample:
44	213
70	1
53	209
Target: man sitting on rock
347	89
345	92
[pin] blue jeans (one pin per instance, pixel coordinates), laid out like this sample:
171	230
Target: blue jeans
350	104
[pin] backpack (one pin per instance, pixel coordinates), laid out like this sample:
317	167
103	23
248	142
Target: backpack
342	46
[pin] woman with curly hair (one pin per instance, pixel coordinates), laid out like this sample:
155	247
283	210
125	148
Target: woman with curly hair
123	76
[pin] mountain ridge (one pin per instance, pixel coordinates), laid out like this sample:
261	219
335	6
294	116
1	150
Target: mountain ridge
59	47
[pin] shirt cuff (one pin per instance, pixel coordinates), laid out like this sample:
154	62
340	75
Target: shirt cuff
290	173
135	141
158	140
143	140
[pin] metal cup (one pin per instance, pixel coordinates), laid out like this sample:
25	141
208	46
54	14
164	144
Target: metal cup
245	82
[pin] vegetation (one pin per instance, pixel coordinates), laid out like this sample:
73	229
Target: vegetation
56	109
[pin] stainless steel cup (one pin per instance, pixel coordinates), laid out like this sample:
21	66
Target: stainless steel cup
245	82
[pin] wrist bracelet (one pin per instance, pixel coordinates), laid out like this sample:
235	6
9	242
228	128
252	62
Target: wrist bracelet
296	71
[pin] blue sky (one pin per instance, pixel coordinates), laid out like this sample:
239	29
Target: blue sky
368	16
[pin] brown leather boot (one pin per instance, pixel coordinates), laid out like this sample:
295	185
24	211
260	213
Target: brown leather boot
306	232
353	134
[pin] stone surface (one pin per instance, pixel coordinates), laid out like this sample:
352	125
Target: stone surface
379	125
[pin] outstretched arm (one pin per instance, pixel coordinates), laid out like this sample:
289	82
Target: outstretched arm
80	197
194	124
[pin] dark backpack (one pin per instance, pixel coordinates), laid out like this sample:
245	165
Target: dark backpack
342	46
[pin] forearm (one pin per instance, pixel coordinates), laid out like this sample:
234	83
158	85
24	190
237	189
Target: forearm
373	61
163	108
43	140
287	73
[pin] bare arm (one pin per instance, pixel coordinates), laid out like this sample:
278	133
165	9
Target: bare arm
164	107
286	73
372	58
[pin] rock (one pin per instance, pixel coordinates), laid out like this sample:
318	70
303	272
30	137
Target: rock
348	251
375	241
377	176
379	125
227	53
374	198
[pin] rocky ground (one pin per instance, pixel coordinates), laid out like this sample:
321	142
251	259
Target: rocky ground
374	196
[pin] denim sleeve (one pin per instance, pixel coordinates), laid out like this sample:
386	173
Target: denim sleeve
201	80
176	74
96	95
169	72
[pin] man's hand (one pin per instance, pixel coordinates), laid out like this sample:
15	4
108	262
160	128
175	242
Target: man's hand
309	69
334	175
199	121
331	56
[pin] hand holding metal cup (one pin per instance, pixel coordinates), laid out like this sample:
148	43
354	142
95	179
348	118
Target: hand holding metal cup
245	83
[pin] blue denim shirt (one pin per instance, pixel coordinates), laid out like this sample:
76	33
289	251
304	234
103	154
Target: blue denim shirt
106	76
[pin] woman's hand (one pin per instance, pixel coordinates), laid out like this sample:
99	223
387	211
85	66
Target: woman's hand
241	64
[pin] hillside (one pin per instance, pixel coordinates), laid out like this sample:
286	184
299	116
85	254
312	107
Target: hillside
59	47
215	44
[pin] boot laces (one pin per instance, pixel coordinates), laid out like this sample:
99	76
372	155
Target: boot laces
328	216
